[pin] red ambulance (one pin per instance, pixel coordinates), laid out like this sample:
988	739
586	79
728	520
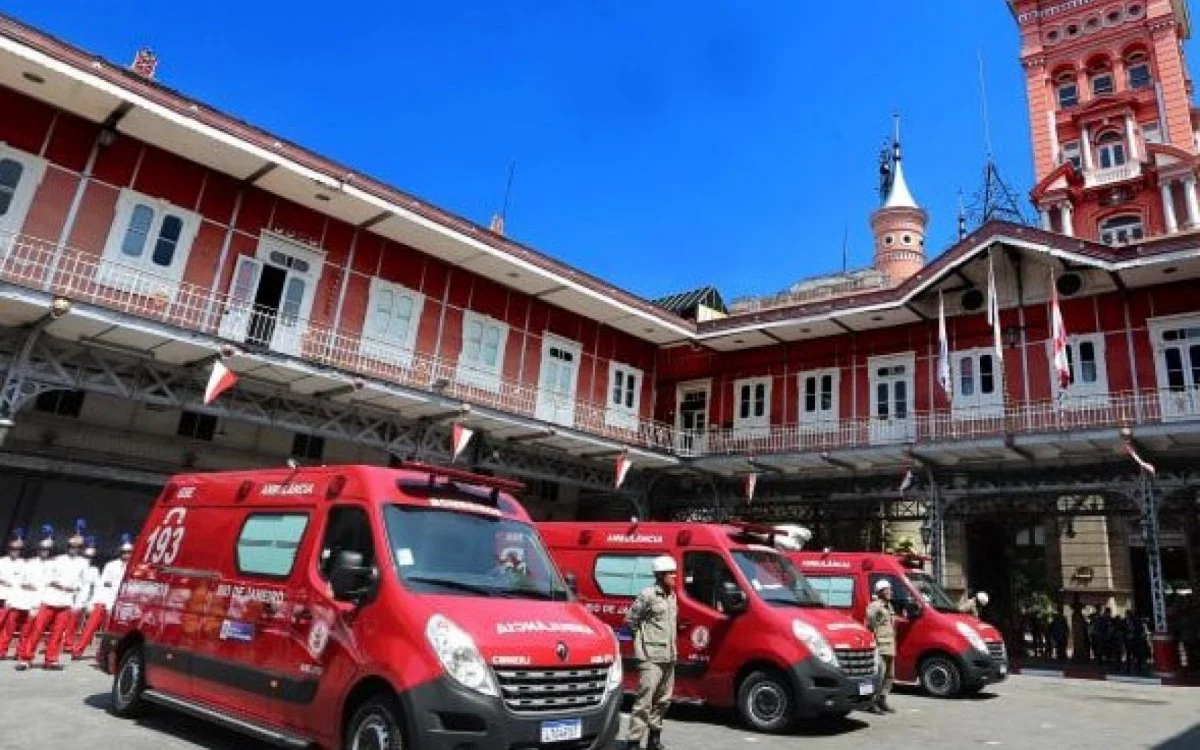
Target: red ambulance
357	606
752	633
949	653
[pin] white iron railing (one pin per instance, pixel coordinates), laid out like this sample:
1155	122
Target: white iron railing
40	265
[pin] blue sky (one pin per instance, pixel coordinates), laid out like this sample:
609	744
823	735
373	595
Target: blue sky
661	145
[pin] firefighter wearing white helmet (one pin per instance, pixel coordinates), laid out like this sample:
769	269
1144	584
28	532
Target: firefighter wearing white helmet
652	620
974	605
880	620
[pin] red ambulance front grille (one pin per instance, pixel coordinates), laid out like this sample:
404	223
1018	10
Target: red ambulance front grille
857	662
550	690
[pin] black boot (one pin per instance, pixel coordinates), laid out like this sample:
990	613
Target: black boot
883	704
655	742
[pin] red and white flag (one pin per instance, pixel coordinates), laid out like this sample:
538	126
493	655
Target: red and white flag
220	380
1058	335
461	435
623	466
1145	465
751	485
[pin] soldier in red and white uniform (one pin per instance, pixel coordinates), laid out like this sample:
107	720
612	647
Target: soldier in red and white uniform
81	607
55	616
11	567
26	598
104	595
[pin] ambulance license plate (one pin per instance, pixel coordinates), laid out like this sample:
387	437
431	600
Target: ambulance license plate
866	688
564	730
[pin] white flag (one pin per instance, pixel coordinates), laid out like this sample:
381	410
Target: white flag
943	365
993	313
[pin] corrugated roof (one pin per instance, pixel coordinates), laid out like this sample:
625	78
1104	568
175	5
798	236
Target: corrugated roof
686	302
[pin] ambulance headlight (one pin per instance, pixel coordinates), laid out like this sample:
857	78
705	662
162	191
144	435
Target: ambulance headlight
816	643
973	637
459	655
615	673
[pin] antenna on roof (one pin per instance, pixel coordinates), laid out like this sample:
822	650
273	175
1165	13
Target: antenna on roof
995	200
499	219
846	247
987	125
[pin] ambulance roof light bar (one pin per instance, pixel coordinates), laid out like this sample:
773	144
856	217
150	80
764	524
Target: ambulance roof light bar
467	477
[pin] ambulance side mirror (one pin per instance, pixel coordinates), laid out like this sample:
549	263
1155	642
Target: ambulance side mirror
350	580
733	599
572	583
913	609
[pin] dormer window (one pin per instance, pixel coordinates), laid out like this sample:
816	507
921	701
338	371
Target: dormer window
1110	150
1121	230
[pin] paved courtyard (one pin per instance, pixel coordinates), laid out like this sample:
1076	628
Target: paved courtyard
69	710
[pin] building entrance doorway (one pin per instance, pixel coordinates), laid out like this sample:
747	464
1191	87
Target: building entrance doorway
989	567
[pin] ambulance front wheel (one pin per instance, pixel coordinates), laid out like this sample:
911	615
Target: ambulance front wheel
765	702
375	726
941	677
129	682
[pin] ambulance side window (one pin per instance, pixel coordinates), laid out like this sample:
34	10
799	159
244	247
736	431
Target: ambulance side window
705	575
624	575
835	591
348	530
268	544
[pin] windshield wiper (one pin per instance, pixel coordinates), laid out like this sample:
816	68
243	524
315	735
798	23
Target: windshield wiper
456	585
530	594
797	603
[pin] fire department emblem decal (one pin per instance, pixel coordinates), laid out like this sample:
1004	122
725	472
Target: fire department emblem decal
318	638
561	651
700	638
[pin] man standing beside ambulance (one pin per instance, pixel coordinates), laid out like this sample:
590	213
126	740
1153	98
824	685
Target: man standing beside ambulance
653	618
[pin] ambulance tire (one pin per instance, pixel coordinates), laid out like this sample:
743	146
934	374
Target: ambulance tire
941	677
128	683
765	702
376	725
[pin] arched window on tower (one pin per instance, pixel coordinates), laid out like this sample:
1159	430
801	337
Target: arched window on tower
1067	89
1137	70
1110	149
1100	74
1121	230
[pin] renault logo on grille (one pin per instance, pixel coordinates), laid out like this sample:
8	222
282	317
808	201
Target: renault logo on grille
561	651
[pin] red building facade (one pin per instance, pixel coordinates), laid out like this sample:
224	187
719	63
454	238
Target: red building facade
357	313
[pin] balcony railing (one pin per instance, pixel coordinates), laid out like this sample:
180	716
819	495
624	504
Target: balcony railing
1068	414
40	265
44	266
1097	177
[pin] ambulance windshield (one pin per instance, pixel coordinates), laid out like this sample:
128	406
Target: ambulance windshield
466	554
931	592
775	579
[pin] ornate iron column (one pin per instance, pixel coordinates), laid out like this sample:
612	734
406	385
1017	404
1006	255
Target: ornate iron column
11	391
1148	503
